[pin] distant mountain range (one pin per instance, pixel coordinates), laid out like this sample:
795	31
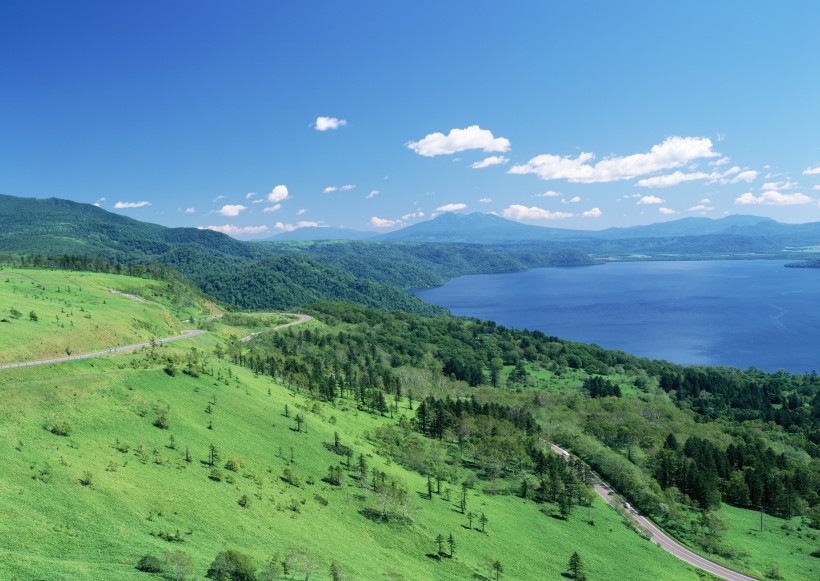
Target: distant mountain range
313	233
491	229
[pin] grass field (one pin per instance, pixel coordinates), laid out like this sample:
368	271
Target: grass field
47	314
54	527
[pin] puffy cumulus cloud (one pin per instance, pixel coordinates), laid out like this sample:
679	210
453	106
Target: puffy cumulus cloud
274	208
667	211
520	212
329	189
326	123
772	198
549	194
125	205
472	137
190	210
593	213
301	224
485	200
700	208
674	152
651	200
301	212
278	194
572	200
250	195
372	194
672	179
778	186
815	187
747	176
720	162
347	187
377	222
732	175
490	161
232	210
451	207
417	214
236	230
811	171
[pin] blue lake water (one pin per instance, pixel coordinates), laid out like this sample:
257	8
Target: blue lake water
739	313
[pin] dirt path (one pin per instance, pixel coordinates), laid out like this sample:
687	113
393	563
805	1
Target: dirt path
656	535
187	334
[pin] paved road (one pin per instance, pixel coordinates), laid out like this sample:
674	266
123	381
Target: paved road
301	319
659	537
187	334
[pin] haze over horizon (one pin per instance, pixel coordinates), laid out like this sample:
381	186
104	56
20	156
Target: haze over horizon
258	119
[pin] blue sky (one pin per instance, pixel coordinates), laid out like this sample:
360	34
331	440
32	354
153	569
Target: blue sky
256	117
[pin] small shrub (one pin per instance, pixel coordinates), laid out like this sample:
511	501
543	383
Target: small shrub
60	428
215	475
244	501
87	478
162	422
233	464
149	564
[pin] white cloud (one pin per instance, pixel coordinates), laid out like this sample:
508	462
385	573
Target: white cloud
96	204
701	208
815	187
573	200
672	153
811	171
301	224
417	214
235	230
472	137
372	194
720	162
216	199
121	205
651	200
549	194
672	179
377	222
232	210
301	212
593	213
451	207
347	187
325	123
778	186
519	212
490	161
273	208
663	210
772	199
485	200
250	195
329	189
190	210
705	201
747	176
278	194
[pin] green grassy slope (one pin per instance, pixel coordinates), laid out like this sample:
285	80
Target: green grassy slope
79	313
54	527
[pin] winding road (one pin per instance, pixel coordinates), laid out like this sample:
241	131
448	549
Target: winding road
656	535
186	334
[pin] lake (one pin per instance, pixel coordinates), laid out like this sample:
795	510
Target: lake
739	313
